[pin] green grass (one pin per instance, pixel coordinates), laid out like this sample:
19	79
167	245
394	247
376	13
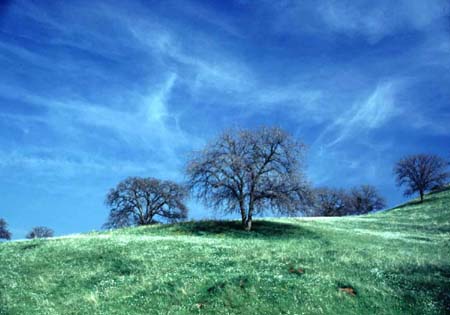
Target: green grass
397	262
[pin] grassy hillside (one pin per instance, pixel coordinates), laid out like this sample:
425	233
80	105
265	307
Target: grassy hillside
396	262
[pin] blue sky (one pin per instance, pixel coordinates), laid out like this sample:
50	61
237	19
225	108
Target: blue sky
94	91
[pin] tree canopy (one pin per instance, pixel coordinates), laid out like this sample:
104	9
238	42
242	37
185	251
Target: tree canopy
330	202
40	232
4	232
249	172
143	201
339	202
365	199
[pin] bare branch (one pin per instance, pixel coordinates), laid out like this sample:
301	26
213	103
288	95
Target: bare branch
421	173
250	172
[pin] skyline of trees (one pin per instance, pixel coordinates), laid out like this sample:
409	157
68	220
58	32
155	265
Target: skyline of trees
251	172
340	202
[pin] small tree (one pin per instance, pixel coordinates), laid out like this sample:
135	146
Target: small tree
249	172
330	202
365	199
421	173
40	232
4	232
139	201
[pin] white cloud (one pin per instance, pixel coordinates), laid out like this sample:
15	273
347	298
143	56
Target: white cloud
210	70
371	113
372	19
63	165
376	109
207	64
145	127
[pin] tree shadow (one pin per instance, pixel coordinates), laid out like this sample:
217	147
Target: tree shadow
429	197
411	203
30	245
419	283
439	190
260	229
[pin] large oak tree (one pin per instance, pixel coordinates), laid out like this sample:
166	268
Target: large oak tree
249	172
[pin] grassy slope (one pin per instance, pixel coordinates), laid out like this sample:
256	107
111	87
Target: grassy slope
398	262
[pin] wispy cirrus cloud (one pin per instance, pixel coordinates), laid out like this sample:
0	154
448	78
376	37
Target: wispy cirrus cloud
144	127
376	20
373	20
364	116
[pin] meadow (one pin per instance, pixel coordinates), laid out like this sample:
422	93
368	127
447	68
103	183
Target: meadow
394	262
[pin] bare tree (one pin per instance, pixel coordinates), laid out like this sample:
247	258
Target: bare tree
330	202
141	201
364	199
40	232
4	232
249	172
420	173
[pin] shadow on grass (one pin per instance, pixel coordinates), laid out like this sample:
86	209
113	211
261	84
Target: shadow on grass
439	190
29	245
260	229
420	283
413	203
100	264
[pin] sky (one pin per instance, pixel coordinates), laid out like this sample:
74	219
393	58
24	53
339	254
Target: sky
92	92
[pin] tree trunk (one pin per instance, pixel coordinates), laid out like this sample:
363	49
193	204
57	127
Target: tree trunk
421	195
248	224
243	214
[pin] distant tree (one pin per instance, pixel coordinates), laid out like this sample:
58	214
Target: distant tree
4	232
364	199
40	232
420	173
141	201
249	172
330	202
